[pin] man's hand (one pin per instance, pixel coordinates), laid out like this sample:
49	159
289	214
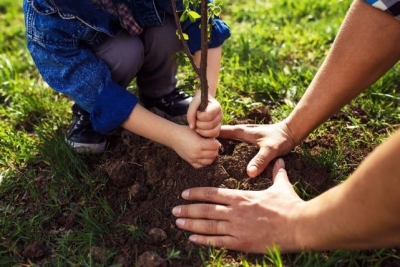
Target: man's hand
273	140
240	220
207	123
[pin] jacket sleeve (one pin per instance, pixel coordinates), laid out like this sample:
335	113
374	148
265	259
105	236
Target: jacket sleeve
219	32
58	48
78	73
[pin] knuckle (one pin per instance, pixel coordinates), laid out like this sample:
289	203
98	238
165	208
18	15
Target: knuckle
259	160
219	242
210	226
205	210
215	153
214	132
183	210
210	193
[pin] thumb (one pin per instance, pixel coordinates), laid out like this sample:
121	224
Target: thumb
191	114
260	161
279	173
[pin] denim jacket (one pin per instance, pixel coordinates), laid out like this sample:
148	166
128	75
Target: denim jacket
60	34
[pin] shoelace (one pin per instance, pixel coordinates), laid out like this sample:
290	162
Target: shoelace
83	118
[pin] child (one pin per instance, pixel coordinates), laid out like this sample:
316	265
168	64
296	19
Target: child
93	49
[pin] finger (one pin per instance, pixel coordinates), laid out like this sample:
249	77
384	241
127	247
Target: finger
205	158
223	241
213	133
210	122
209	154
192	113
243	132
260	161
196	165
204	162
279	172
231	132
209	114
211	144
202	211
215	195
201	226
280	178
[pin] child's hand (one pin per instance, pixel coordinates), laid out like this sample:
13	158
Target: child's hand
207	123
195	149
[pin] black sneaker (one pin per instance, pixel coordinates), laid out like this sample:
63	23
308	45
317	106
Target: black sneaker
81	135
172	106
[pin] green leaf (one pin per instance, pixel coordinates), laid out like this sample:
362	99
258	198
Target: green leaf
184	16
185	36
193	16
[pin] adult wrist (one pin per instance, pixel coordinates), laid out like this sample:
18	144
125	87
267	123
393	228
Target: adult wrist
297	224
295	130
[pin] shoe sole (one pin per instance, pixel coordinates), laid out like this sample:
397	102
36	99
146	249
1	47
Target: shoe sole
87	148
177	119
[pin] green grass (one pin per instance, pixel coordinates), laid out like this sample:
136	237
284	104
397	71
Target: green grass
275	49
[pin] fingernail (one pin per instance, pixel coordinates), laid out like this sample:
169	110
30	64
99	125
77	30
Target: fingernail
185	194
176	210
252	169
280	163
193	238
180	222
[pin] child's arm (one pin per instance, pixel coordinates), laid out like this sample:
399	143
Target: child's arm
213	67
187	144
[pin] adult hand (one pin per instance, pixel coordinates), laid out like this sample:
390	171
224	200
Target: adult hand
273	140
240	220
193	148
207	123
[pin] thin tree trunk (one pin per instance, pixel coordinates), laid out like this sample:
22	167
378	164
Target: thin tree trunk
204	52
201	71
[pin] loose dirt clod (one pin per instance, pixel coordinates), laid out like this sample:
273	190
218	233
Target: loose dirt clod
151	259
34	250
156	235
98	254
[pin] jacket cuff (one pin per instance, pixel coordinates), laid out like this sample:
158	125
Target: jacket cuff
112	108
219	33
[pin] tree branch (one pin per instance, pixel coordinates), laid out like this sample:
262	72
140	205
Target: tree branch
201	71
204	52
182	38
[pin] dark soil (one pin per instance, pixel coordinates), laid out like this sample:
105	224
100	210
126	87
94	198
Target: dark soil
148	179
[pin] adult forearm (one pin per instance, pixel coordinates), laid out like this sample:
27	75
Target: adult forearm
361	213
366	47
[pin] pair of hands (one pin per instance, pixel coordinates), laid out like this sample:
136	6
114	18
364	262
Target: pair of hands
233	218
202	148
